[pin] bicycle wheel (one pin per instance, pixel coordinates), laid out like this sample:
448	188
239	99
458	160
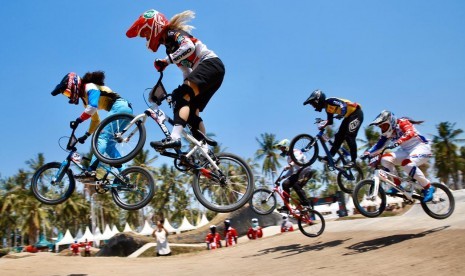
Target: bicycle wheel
311	224
443	203
137	189
366	202
349	178
113	147
47	189
263	201
227	190
306	145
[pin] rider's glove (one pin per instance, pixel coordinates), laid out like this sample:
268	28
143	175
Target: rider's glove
393	145
339	116
83	138
74	124
322	125
160	64
365	155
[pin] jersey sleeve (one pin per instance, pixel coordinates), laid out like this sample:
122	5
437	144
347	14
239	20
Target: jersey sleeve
407	129
93	97
185	49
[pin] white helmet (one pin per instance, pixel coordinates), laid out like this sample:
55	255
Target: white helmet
386	121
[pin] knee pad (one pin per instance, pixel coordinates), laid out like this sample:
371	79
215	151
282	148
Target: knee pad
178	96
178	120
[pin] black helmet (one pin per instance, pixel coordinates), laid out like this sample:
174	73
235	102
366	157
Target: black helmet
317	100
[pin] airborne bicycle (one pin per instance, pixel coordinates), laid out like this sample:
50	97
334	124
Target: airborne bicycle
308	146
369	195
54	182
264	201
222	182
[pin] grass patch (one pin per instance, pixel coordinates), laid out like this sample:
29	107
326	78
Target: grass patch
175	250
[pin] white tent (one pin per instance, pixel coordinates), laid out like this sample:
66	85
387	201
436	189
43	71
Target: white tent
203	221
168	226
78	235
114	230
127	228
97	234
107	233
67	239
185	225
87	235
147	230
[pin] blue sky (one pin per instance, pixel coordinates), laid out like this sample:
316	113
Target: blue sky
405	56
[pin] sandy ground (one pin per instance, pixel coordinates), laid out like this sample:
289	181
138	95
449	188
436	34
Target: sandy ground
411	244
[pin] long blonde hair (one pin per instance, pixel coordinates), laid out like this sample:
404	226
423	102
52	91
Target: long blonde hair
179	21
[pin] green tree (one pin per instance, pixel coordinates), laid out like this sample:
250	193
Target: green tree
267	153
445	152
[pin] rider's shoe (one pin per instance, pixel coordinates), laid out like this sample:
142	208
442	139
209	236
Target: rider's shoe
392	191
166	143
323	159
427	194
283	209
86	176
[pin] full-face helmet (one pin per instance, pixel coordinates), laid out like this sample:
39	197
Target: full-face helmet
70	86
317	100
150	25
386	121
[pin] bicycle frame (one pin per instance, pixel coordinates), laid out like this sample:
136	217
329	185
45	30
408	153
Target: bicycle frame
382	176
283	195
342	152
160	117
66	164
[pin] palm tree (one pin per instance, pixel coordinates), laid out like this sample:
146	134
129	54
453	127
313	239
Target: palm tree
445	151
267	153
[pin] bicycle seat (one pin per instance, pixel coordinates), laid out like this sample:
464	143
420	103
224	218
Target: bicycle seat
208	140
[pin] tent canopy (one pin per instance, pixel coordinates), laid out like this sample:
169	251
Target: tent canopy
147	230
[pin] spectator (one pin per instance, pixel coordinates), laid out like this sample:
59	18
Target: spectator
160	233
286	225
230	234
255	231
75	248
213	239
87	249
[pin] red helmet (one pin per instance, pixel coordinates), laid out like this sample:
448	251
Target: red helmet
149	25
70	86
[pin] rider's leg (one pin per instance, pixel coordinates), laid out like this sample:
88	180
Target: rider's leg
389	161
348	131
304	176
180	100
105	143
418	156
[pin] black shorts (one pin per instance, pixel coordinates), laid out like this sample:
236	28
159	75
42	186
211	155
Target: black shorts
208	76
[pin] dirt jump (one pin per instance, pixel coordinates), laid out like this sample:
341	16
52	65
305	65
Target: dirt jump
410	244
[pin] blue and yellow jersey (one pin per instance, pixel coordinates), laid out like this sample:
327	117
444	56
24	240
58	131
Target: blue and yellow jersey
340	107
96	98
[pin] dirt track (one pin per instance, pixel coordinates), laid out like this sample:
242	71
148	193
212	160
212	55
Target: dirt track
412	244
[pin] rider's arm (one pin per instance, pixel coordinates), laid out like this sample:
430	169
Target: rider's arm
93	96
407	129
184	46
379	145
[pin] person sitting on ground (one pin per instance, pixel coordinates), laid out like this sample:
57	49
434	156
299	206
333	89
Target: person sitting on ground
213	239
230	234
255	231
286	225
160	233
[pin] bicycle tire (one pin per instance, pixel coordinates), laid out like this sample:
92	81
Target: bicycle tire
263	201
347	185
107	131
140	191
311	224
231	194
442	205
372	207
46	190
305	144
